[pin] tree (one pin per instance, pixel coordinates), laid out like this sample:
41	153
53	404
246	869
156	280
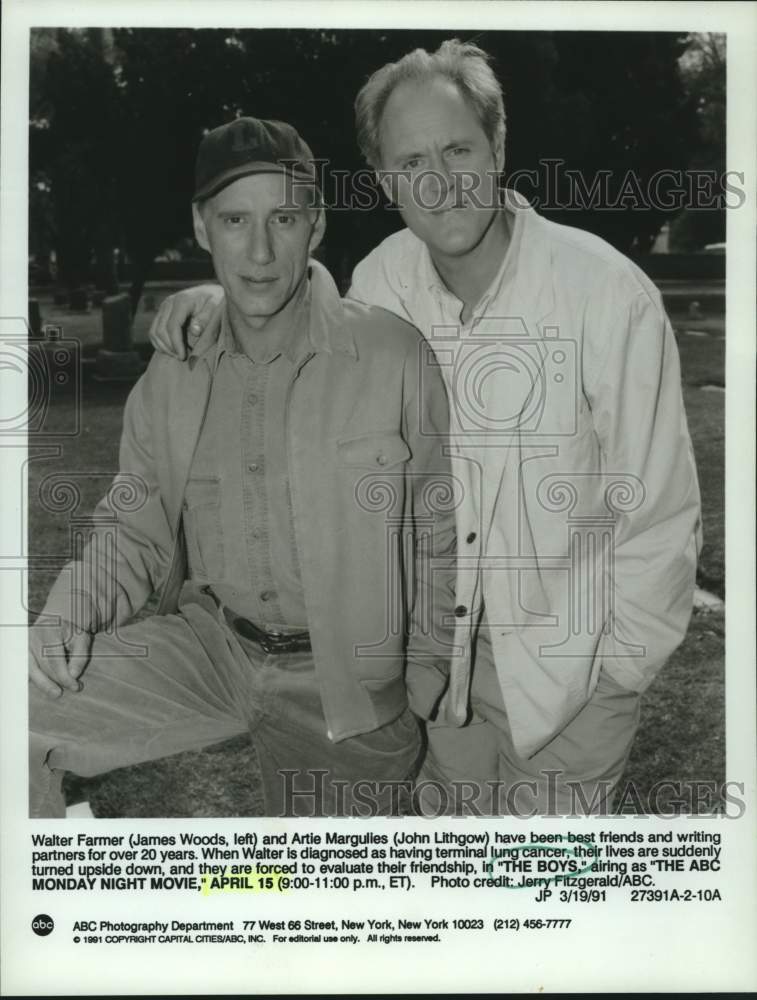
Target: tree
71	136
703	74
614	102
117	116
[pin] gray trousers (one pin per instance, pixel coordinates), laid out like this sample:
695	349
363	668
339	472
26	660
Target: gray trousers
184	681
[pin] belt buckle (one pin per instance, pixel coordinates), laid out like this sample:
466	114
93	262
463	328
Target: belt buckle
266	642
269	642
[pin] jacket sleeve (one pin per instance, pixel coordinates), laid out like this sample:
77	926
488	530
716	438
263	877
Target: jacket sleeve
130	540
639	418
434	498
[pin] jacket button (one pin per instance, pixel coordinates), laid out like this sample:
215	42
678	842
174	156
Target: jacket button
382	460
461	611
471	538
267	595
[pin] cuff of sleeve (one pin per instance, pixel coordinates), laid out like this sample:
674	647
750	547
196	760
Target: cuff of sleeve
70	604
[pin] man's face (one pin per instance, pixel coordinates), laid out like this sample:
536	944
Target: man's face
447	191
259	231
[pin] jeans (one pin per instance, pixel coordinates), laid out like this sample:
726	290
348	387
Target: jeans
181	682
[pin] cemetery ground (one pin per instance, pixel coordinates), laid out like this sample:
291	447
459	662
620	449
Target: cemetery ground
682	734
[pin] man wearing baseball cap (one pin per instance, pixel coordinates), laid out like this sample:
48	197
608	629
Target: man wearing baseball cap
287	482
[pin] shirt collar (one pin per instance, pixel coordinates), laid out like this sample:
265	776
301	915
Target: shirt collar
294	344
513	204
323	327
329	330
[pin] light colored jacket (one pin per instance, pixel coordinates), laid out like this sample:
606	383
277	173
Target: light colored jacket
369	505
581	524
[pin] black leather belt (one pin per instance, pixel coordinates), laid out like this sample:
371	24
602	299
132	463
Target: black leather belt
270	642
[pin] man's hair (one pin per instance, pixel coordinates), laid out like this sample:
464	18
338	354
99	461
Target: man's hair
464	63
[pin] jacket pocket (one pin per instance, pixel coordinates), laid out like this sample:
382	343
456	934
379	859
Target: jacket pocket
201	516
372	451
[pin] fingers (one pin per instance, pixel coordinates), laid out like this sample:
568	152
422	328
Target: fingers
40	680
202	318
188	317
57	657
207	309
79	650
160	337
179	313
182	318
48	662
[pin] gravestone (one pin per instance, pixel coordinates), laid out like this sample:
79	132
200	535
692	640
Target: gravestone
117	360
35	320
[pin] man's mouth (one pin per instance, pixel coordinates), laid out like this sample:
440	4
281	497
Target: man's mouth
248	279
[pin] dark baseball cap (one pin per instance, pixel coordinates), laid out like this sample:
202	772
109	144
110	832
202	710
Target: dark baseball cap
250	146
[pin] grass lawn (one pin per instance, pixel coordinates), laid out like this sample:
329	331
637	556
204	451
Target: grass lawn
682	730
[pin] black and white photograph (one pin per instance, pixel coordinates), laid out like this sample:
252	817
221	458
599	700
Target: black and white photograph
574	294
366	439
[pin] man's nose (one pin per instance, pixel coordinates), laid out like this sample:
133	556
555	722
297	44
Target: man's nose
436	183
259	246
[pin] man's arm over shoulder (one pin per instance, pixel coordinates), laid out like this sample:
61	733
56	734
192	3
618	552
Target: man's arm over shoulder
633	382
130	539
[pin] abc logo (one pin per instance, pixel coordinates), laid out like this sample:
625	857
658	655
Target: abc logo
42	924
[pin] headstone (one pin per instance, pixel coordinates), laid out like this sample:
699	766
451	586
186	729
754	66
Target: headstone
117	323
117	360
35	320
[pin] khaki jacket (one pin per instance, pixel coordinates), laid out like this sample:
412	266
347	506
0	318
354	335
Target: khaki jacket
370	487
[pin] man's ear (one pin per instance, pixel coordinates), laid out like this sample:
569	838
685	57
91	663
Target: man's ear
201	233
319	230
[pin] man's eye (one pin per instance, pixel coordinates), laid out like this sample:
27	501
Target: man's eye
283	220
233	220
458	151
412	164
